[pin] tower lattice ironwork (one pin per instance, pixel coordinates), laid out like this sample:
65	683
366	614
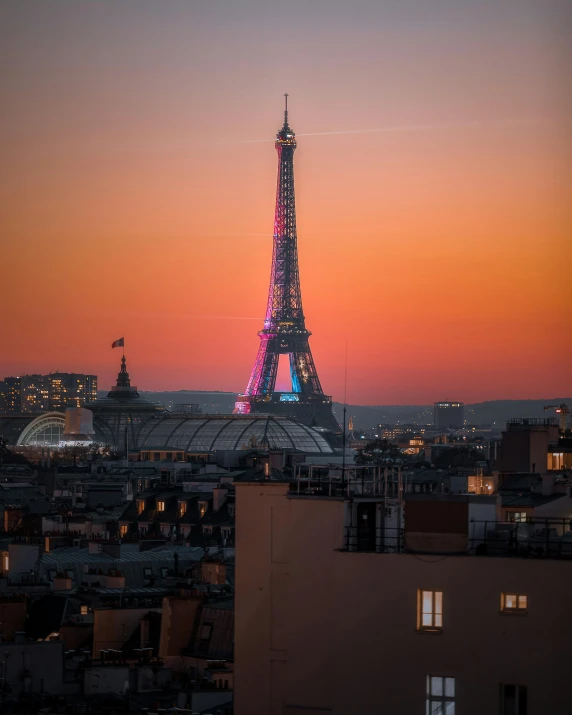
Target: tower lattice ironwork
284	329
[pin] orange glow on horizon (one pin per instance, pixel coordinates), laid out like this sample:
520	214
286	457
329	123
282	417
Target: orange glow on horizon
134	204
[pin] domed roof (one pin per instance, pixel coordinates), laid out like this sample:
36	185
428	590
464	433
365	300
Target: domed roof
123	397
205	433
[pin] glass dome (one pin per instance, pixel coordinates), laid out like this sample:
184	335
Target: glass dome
232	432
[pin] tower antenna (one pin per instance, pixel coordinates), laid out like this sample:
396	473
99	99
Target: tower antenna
344	418
285	109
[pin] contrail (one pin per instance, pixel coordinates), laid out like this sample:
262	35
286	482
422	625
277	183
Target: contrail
222	317
407	128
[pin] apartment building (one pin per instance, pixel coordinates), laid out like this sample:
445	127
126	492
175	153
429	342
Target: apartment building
343	609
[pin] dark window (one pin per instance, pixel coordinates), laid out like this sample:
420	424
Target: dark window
157	456
206	631
366	526
513	700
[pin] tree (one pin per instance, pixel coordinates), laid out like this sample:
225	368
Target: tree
71	454
379	453
9	457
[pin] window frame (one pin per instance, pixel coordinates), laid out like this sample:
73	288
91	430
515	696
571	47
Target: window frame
521	600
443	698
520	699
436	612
206	632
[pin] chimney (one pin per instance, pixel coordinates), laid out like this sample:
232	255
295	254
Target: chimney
547	485
219	498
144	642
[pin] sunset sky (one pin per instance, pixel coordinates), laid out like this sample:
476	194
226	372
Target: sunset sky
433	188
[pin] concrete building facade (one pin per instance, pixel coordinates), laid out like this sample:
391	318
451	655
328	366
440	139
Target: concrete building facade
323	629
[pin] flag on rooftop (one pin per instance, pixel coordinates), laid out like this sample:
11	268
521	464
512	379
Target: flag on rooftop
118	343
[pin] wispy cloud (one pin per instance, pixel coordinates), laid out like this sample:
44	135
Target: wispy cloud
476	124
221	317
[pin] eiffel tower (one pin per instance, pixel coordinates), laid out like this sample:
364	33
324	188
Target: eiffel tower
284	331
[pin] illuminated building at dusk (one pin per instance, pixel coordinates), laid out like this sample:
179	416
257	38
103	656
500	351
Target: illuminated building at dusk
42	393
448	414
127	422
284	331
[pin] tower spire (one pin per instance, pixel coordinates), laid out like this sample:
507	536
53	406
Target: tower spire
123	376
284	331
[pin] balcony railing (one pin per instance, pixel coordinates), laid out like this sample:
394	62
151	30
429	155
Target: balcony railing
536	538
356	482
379	540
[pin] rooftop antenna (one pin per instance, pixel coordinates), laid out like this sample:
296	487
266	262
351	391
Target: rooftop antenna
344	419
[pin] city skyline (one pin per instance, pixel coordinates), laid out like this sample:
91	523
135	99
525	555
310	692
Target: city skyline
432	196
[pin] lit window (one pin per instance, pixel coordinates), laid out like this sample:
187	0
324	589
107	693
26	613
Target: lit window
513	699
140	506
182	508
202	509
83	610
430	610
514	603
519	516
123	529
440	695
160	505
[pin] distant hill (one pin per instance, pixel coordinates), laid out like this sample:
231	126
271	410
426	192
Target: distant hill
493	412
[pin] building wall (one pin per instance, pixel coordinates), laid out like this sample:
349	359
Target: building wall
33	667
320	628
526	449
177	623
448	414
112	627
22	558
13	612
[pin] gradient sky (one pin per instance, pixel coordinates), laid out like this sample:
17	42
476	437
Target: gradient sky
134	200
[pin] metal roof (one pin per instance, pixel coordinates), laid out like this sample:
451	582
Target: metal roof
71	555
232	432
528	500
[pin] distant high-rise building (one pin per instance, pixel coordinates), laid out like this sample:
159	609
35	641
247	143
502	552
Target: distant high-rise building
35	393
70	389
10	395
449	414
44	393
